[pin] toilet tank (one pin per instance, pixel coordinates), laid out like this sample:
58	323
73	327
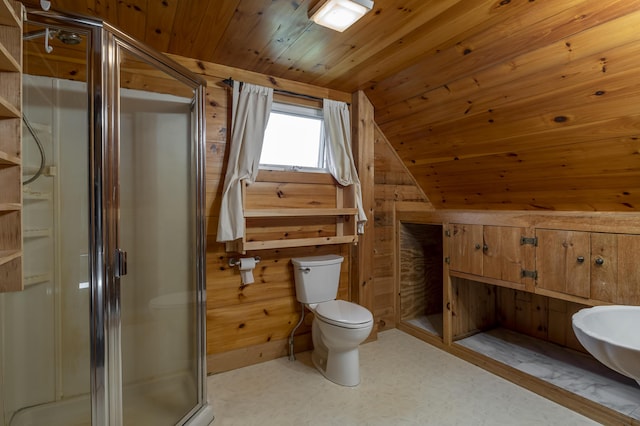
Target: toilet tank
317	277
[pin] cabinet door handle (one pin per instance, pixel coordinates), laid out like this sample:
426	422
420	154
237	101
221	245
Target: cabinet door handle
580	259
485	247
599	261
477	246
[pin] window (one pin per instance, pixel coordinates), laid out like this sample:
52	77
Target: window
294	139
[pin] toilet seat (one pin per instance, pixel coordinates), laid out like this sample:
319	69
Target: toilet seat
343	314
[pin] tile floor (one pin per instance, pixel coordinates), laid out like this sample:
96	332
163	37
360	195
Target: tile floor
404	382
565	368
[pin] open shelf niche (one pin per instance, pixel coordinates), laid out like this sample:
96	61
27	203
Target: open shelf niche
529	338
420	278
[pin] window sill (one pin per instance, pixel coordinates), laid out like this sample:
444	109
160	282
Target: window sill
289	176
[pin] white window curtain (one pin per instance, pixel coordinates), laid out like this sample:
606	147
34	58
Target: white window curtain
337	130
250	113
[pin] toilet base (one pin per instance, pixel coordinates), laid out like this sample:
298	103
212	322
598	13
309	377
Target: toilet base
341	367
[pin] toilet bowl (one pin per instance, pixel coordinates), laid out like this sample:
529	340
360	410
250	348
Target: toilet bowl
337	331
339	326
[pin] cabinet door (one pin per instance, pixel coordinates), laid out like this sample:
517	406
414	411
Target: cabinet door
628	288
615	276
466	248
504	255
604	267
562	261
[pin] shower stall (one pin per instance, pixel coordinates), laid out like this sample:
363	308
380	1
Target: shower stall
109	329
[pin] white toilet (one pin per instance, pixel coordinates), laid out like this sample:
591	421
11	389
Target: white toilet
339	326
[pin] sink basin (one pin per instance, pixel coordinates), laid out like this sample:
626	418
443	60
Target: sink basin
612	335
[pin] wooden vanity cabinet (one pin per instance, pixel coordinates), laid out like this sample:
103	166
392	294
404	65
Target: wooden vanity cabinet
601	267
562	262
604	267
506	256
466	248
615	275
492	252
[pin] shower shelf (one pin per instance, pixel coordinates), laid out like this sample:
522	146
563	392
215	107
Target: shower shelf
36	196
30	280
37	233
49	171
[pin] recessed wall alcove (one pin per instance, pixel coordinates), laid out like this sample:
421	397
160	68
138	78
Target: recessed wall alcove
420	295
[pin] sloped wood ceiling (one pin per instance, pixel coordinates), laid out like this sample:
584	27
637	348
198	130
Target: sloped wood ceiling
491	104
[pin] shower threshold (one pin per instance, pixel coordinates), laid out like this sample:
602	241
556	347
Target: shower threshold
151	402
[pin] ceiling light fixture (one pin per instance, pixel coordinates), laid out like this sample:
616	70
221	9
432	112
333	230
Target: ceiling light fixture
339	14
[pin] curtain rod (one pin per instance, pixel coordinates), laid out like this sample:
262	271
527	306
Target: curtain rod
229	82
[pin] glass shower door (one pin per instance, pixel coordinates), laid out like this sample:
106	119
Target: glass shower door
157	230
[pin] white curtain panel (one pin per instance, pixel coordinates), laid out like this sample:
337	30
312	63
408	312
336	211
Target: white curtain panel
337	130
250	113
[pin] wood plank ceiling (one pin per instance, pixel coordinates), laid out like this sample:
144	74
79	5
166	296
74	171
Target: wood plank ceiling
491	104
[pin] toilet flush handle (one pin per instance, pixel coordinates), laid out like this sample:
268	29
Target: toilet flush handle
305	270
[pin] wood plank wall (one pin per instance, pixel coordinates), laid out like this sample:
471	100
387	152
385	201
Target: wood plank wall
534	106
393	184
250	324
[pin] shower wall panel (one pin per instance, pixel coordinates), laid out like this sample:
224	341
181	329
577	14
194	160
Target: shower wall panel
46	327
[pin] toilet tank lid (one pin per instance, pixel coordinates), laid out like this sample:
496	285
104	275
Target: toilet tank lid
328	259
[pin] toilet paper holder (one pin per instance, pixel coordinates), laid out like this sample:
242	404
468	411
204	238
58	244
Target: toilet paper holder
236	262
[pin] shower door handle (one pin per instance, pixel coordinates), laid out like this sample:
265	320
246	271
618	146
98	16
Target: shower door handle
120	263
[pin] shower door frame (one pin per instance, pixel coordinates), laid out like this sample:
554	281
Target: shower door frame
103	87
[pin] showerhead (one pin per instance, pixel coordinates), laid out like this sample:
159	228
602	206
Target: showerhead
67	37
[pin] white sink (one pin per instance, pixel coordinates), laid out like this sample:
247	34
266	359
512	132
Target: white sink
612	335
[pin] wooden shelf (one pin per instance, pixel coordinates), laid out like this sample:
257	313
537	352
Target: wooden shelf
7	110
10	207
266	213
9	255
10	160
299	242
11	144
290	209
8	15
7	62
